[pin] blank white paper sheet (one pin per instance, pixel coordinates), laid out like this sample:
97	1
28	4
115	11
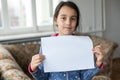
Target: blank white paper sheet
67	53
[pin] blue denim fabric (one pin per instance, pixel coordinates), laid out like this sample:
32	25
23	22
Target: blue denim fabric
69	75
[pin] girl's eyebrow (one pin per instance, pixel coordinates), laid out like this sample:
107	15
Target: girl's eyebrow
66	15
62	15
74	16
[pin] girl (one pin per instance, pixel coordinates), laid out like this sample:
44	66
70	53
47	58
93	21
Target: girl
66	18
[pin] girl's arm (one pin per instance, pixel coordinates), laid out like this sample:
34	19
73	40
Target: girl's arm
36	67
39	73
99	54
89	73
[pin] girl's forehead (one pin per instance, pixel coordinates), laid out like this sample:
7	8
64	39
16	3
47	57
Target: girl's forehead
67	10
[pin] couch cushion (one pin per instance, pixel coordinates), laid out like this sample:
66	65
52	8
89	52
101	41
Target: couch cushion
116	69
5	54
100	78
6	64
14	74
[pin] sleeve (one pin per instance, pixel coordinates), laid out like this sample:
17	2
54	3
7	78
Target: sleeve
88	73
101	67
39	73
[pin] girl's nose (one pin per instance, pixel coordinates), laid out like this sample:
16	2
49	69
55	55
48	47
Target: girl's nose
68	21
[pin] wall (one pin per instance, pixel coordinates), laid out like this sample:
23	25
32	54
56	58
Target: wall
90	16
113	23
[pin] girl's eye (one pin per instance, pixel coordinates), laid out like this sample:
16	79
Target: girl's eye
73	18
63	18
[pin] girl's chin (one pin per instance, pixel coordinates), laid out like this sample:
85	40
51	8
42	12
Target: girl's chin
67	34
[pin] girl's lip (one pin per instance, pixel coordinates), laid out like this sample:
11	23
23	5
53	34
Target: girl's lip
68	27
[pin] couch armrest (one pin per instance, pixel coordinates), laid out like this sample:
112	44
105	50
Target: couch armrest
23	53
9	69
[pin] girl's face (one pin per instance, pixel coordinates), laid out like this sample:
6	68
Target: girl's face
66	21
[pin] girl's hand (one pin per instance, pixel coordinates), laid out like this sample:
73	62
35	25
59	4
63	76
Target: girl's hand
36	61
99	54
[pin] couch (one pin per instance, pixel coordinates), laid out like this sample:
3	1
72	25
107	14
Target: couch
15	58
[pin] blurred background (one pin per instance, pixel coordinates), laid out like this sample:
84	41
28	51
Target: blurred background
24	20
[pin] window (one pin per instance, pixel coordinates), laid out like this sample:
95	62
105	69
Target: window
20	13
44	13
0	16
26	16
